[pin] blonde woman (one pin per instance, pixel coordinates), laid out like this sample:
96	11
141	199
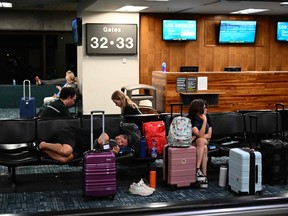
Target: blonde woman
70	82
128	107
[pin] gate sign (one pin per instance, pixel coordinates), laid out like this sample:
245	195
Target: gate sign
111	39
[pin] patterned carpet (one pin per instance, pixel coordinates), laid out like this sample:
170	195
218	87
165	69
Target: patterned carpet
59	188
9	113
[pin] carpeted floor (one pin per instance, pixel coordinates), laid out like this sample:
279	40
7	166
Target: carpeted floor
9	113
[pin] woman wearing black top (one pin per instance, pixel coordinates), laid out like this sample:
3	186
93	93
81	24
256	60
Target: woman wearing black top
127	106
202	132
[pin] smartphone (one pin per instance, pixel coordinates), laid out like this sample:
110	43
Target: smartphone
112	143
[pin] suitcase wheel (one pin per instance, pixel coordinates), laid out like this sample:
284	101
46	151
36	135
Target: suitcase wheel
172	187
111	197
259	193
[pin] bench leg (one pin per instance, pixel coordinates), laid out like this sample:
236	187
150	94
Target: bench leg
12	177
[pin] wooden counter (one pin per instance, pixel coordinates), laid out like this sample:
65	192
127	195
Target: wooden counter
250	90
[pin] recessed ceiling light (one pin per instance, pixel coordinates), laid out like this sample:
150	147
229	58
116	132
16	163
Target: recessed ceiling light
6	4
130	8
249	11
157	0
284	3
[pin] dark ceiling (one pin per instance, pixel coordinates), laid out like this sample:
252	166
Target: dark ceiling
172	6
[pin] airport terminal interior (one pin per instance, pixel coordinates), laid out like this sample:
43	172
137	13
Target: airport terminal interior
185	50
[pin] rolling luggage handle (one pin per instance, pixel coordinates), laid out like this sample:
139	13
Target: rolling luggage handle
103	125
29	89
171	112
277	123
256	130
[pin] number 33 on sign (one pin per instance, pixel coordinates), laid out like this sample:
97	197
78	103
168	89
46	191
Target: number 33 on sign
111	39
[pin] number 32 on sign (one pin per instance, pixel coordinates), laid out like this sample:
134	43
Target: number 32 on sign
111	39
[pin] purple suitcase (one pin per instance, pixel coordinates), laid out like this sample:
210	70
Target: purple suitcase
179	166
99	170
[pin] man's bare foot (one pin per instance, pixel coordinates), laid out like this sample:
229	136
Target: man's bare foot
41	144
37	80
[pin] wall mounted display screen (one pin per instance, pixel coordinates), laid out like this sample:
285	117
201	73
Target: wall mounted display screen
77	31
111	39
282	31
236	31
175	30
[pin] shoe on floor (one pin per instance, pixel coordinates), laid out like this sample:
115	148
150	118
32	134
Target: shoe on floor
204	183
138	189
144	184
199	175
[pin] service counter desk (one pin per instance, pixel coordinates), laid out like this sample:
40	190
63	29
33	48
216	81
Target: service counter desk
226	91
10	95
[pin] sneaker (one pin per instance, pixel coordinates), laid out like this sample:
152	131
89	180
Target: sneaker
137	189
204	183
142	183
199	175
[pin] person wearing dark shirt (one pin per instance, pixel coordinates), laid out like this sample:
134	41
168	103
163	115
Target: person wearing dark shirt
73	142
201	133
128	107
60	107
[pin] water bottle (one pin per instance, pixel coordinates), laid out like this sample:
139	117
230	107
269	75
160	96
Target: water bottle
152	178
163	66
14	82
143	147
154	149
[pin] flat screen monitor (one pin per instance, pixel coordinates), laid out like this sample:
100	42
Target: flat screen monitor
77	31
189	69
237	32
282	31
179	30
232	69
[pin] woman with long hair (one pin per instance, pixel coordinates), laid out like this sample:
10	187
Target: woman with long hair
127	106
202	132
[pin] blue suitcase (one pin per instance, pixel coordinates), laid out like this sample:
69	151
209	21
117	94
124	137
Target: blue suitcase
245	171
27	104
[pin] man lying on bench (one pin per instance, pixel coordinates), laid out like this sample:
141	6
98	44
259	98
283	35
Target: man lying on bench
73	142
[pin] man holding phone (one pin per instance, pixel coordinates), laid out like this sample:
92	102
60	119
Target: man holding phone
73	142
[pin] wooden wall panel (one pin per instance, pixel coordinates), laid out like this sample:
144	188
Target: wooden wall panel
265	55
210	31
243	90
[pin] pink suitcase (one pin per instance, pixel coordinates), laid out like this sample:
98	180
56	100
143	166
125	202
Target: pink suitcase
179	166
99	170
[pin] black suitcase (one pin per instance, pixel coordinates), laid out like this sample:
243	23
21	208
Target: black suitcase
275	157
27	104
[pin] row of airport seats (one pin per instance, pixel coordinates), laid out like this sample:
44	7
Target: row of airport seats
246	128
18	136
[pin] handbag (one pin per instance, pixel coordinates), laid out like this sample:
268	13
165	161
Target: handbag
155	130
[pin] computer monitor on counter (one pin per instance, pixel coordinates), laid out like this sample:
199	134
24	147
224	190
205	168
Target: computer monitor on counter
189	68
232	69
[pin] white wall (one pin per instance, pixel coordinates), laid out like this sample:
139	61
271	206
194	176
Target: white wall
100	76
